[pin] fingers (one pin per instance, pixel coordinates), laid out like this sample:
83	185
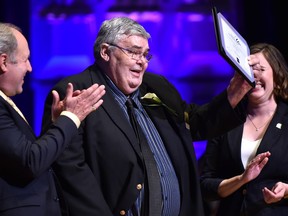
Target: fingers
275	194
267	195
253	60
94	99
94	94
261	156
260	160
255	166
56	98
69	90
97	105
76	93
83	102
57	106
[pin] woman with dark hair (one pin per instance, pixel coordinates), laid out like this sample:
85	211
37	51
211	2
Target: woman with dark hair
246	168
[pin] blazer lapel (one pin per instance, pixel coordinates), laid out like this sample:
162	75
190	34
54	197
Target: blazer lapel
168	125
278	124
234	139
112	109
19	121
170	132
274	131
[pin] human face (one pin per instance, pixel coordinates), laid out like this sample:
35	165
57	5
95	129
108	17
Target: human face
263	90
16	71
124	71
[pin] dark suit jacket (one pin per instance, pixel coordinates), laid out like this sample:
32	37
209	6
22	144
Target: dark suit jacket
26	181
101	169
223	156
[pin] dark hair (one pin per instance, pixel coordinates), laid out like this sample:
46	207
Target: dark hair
279	66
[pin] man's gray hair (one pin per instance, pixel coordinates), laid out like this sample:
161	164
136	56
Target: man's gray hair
111	31
8	42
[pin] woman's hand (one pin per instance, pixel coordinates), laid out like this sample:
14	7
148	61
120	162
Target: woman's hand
277	193
255	166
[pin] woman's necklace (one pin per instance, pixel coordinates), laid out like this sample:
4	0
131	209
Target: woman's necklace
257	128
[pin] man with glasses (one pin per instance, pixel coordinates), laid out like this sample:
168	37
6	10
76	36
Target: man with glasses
136	55
105	171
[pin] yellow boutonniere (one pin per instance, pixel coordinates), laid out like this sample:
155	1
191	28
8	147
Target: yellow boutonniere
151	99
186	119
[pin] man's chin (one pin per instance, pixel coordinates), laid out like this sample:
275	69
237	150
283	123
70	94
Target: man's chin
19	91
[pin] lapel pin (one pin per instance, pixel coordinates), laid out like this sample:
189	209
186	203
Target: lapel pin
279	125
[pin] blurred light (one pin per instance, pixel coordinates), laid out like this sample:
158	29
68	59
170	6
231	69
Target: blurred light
196	17
63	10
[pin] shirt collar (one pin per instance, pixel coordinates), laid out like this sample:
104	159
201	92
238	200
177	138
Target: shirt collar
2	94
121	97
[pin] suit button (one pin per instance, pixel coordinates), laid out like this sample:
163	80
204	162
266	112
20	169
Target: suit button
56	199
122	212
139	186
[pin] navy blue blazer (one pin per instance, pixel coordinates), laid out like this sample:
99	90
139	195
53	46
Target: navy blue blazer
223	160
27	184
101	169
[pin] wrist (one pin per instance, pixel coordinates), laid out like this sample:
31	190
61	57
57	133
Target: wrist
73	117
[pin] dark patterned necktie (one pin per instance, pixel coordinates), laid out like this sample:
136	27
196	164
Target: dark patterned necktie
153	195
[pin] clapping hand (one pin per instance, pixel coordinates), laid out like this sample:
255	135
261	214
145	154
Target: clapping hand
81	103
255	166
276	194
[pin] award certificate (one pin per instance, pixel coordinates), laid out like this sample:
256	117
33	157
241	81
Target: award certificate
232	46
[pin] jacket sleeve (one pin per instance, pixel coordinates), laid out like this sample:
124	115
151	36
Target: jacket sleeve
22	156
209	175
214	118
205	121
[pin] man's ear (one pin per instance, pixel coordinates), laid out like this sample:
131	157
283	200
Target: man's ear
104	51
3	62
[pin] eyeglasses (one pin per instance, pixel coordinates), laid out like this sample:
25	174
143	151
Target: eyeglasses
133	54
